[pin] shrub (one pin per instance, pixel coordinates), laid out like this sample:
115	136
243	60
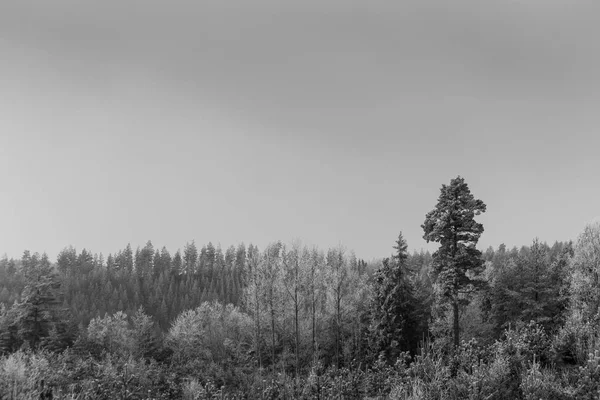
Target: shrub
539	383
574	341
588	385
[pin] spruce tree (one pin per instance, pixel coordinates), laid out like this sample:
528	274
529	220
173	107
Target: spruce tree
39	313
394	320
536	291
190	258
144	260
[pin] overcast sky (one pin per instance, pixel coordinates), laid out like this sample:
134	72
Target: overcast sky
328	121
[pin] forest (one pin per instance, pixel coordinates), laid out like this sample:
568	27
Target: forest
290	321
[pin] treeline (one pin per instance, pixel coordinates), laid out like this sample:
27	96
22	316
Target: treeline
289	321
323	295
163	284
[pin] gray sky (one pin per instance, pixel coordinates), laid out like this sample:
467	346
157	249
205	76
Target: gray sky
328	121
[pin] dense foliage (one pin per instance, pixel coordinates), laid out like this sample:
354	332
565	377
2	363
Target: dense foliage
457	263
290	321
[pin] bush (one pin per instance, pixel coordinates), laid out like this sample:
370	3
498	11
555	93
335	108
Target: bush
588	385
538	383
574	342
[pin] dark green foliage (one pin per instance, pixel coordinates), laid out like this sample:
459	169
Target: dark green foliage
536	292
34	311
530	286
9	338
67	261
395	306
457	263
144	260
39	317
190	258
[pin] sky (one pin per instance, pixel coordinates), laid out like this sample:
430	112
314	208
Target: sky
330	121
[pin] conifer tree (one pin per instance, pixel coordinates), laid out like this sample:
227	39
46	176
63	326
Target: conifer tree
163	264
39	308
457	263
177	262
143	260
209	261
394	305
536	286
190	258
67	260
9	337
126	261
145	341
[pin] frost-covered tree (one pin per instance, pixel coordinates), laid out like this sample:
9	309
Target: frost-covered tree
457	262
585	281
394	304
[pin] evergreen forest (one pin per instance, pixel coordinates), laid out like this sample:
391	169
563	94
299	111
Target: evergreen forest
289	321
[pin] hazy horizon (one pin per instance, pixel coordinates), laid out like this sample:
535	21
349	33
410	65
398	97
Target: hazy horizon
330	122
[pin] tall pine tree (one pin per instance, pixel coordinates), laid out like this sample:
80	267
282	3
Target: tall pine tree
457	262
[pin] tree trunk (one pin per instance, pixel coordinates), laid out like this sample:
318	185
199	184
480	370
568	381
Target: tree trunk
337	334
456	327
297	332
456	324
257	312
273	333
314	326
313	315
